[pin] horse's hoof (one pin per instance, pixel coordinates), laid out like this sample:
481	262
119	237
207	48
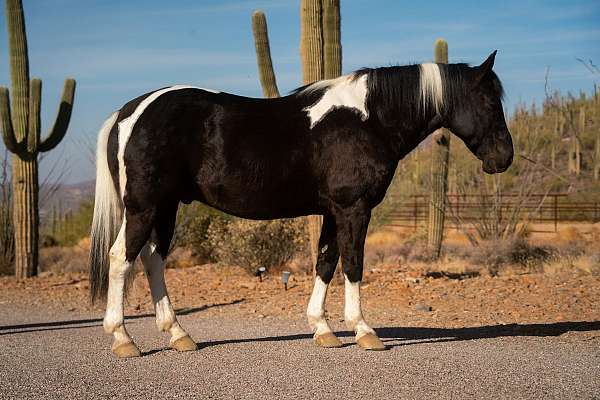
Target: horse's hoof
370	342
127	350
185	344
327	340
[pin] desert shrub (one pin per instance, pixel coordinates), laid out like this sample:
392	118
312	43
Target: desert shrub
252	244
191	232
495	254
70	228
60	260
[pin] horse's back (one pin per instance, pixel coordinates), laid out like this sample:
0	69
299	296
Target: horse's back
225	150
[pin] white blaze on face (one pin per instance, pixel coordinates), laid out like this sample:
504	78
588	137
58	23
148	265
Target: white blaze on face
126	127
344	91
432	88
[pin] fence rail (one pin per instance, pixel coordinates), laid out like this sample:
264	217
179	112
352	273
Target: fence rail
552	208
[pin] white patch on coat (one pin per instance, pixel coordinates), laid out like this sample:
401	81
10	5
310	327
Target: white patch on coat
316	308
126	127
431	86
352	310
345	91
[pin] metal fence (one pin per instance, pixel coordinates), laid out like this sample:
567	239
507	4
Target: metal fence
551	208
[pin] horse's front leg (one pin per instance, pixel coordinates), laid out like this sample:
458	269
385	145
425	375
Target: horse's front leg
326	263
352	224
166	321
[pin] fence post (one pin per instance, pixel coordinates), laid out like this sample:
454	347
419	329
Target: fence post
555	213
416	211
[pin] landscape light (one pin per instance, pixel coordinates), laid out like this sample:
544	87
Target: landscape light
285	277
259	272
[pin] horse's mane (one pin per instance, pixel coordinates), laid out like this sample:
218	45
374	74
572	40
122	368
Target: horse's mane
398	88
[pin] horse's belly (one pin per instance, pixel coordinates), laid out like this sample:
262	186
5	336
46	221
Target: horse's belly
256	200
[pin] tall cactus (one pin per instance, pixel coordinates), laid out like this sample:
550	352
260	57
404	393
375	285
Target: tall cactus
321	55
263	55
332	44
20	123
440	151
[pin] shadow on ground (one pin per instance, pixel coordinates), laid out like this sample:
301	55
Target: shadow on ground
411	335
92	322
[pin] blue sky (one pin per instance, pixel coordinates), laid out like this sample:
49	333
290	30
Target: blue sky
117	50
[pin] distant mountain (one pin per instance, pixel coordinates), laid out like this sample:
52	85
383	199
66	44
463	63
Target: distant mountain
65	197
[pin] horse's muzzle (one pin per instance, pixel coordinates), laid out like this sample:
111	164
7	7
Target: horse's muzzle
498	155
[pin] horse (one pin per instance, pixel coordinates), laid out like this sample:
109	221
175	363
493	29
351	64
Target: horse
329	148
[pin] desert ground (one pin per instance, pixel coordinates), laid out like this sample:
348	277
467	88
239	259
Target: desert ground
451	330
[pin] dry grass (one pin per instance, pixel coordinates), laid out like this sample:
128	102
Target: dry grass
59	260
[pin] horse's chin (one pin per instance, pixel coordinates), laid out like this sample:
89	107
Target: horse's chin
492	168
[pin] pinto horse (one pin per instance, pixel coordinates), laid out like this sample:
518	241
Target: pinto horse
329	148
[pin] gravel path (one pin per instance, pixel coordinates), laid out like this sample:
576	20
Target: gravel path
66	356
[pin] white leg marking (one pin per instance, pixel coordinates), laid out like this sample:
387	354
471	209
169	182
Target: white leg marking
344	91
154	265
126	127
432	88
119	267
316	308
352	310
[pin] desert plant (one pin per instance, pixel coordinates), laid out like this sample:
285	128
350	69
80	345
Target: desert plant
7	245
440	153
21	134
254	244
263	55
321	55
191	231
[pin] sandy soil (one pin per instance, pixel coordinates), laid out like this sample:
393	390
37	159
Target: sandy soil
391	295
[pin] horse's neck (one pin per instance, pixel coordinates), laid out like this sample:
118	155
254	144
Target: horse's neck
405	136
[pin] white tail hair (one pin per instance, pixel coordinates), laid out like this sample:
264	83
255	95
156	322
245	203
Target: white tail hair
432	88
107	215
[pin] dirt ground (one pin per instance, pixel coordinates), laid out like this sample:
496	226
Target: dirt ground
391	295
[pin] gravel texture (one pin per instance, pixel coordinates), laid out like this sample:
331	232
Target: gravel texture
46	353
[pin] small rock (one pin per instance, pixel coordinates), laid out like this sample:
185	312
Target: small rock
422	307
260	316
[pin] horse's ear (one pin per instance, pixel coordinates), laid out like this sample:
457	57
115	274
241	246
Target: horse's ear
486	67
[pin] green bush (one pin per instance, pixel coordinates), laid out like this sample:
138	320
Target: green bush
253	244
191	232
70	228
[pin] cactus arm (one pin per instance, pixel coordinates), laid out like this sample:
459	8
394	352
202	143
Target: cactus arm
263	55
33	125
8	135
62	118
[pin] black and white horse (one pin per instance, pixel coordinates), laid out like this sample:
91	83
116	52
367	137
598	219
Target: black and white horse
329	148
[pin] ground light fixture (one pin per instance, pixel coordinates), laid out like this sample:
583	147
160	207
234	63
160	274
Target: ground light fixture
285	278
259	272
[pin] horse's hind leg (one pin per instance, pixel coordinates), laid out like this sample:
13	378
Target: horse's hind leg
153	257
326	263
132	236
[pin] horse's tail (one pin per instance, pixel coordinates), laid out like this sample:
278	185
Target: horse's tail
107	214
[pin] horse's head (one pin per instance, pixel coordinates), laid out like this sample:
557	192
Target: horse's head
478	119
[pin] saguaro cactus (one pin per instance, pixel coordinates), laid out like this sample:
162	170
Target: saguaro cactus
311	40
321	54
440	151
263	55
21	135
332	44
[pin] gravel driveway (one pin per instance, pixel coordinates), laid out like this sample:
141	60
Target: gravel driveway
45	354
